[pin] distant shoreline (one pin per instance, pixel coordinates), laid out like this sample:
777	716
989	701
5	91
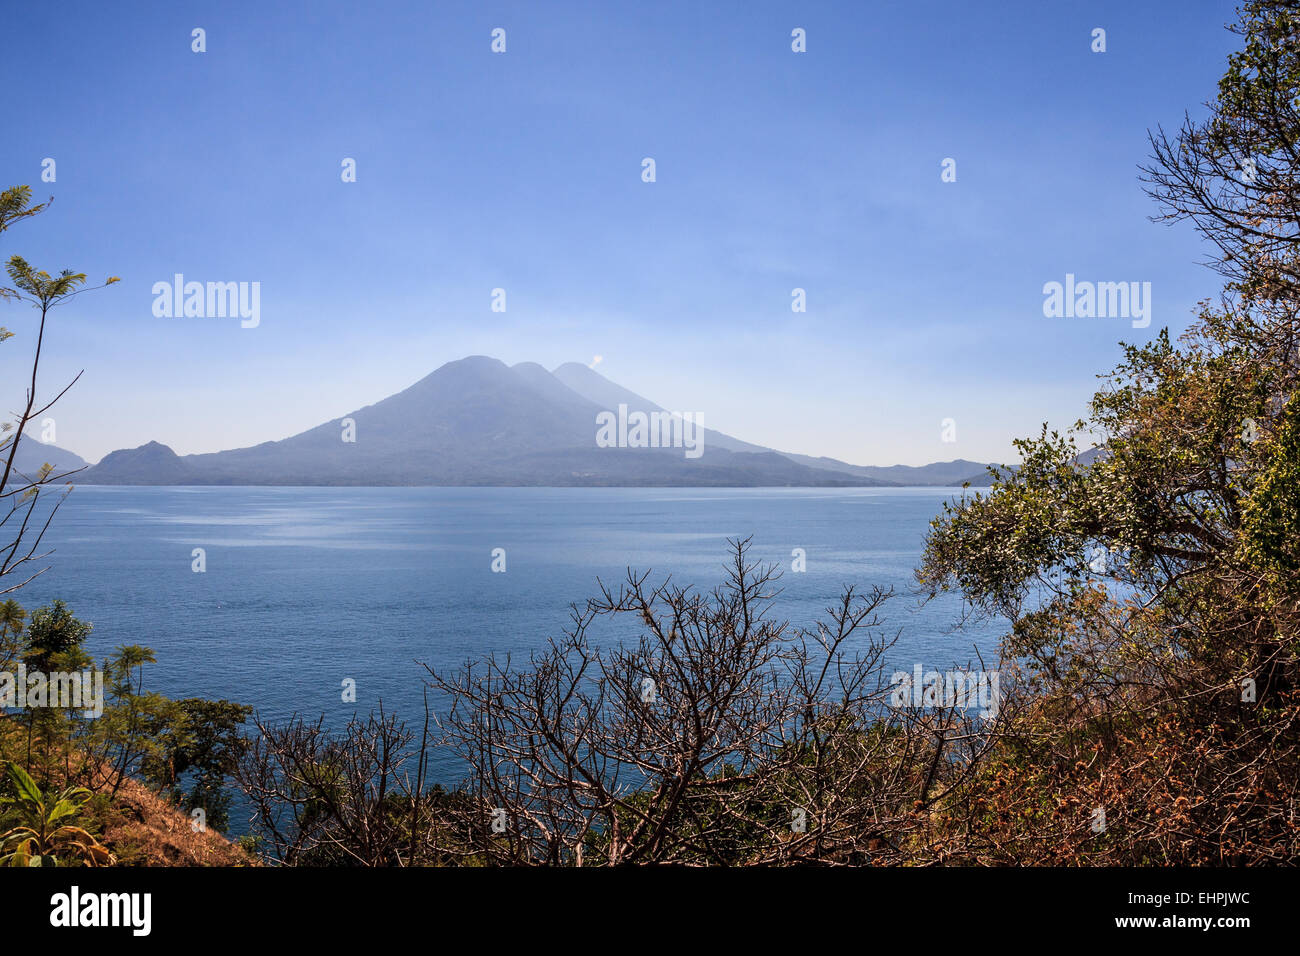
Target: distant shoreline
845	487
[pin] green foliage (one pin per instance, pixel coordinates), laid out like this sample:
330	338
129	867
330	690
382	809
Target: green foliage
1165	682
46	834
196	739
12	620
184	749
55	639
1270	537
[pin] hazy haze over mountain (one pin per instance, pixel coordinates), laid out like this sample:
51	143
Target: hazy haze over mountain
477	421
32	453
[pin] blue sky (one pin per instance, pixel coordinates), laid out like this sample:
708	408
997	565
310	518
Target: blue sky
522	171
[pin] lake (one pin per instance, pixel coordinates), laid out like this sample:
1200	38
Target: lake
305	587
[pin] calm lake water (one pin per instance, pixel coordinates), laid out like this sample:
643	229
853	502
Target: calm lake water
307	586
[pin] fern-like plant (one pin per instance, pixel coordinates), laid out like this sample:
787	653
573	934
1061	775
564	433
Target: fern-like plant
47	835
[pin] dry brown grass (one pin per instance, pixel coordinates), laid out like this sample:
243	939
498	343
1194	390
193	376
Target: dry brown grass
143	829
140	827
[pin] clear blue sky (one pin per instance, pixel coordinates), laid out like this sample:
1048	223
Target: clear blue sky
477	170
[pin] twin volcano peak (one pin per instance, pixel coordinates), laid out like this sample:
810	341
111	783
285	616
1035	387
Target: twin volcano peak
478	421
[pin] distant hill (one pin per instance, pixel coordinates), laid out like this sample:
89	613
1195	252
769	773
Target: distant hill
33	453
984	480
1096	453
981	480
939	473
477	421
594	386
152	459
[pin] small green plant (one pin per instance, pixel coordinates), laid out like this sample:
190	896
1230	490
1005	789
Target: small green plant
46	836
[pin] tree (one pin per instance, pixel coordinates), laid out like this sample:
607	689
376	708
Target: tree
1153	593
12	620
719	735
54	639
140	733
347	798
22	523
203	744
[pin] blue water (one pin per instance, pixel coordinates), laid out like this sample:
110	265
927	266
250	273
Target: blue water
307	586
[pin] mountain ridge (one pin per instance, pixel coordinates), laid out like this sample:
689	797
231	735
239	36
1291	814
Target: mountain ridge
478	421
